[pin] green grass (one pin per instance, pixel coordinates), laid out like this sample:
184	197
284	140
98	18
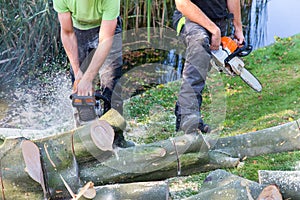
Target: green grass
280	161
276	66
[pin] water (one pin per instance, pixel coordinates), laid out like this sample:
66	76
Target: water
39	104
276	18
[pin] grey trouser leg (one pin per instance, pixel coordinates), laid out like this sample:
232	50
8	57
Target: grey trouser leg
197	64
194	74
111	70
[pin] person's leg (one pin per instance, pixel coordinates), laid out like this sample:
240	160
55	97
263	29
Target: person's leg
111	71
197	65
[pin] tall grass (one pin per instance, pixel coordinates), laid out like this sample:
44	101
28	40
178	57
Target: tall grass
150	13
29	36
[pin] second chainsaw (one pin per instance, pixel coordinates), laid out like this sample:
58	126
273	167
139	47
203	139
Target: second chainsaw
228	60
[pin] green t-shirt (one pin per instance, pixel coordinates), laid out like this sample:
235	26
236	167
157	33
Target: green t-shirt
87	14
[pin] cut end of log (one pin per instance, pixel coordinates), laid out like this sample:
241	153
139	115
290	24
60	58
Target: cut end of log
31	155
115	119
102	135
88	191
271	192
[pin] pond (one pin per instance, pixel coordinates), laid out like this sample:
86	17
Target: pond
275	18
40	105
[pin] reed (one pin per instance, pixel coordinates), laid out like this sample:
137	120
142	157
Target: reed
29	35
150	13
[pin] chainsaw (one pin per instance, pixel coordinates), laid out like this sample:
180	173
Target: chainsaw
227	59
89	107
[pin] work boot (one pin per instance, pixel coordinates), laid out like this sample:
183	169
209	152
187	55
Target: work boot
120	141
191	123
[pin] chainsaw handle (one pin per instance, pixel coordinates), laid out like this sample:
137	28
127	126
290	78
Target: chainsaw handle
246	50
107	104
241	52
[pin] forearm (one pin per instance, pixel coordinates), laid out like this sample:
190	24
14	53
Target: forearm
106	36
69	42
195	14
234	7
98	59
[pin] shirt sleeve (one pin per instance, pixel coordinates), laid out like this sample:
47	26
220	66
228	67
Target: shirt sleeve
111	9
60	6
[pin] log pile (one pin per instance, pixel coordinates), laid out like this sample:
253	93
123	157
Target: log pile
83	162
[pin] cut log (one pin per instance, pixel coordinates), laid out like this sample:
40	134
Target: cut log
59	166
270	192
56	159
82	152
276	139
220	184
164	158
287	181
130	169
32	158
158	190
16	182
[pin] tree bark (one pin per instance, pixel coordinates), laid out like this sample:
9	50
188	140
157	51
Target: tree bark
182	155
158	190
220	184
287	181
276	139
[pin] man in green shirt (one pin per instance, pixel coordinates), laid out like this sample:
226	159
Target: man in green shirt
90	33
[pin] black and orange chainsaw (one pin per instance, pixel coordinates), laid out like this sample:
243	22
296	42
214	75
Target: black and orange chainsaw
89	107
228	60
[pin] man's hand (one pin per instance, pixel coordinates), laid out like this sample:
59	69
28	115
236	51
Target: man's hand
106	35
239	36
85	88
81	86
78	77
215	39
195	14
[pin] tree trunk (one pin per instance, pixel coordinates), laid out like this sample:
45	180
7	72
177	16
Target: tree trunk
181	155
220	184
287	181
158	190
276	139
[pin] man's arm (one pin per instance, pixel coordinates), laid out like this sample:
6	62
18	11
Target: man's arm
234	6
106	34
195	14
69	41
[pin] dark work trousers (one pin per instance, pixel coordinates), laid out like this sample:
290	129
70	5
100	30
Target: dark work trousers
197	65
111	70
